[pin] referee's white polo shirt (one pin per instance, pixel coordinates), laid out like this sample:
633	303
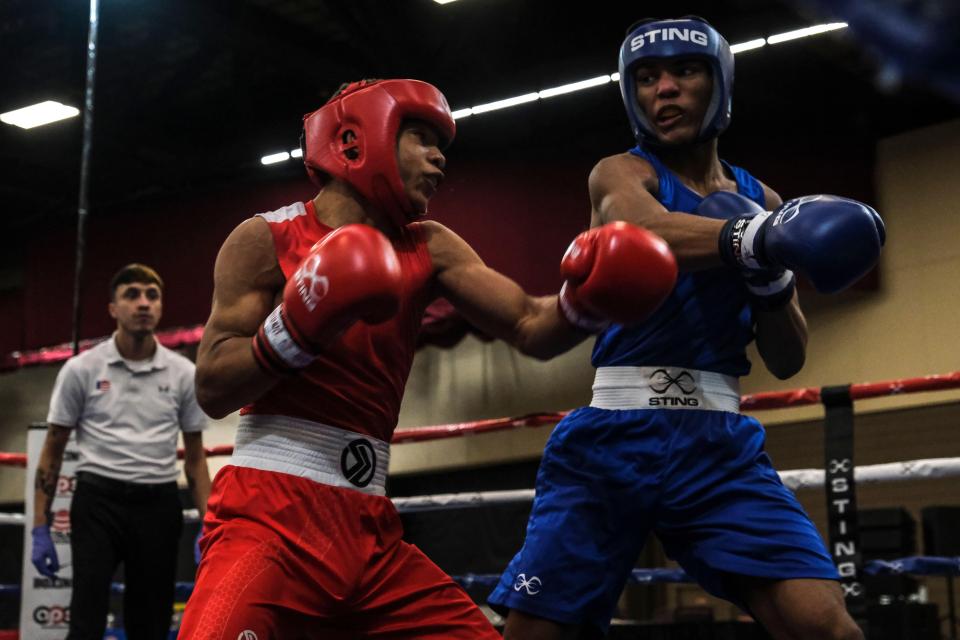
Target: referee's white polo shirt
127	413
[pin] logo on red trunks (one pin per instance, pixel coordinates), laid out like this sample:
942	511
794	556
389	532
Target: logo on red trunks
246	634
358	462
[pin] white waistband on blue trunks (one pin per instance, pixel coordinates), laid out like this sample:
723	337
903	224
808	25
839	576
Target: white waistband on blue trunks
664	388
318	452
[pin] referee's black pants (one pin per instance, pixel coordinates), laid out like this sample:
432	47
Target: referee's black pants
139	525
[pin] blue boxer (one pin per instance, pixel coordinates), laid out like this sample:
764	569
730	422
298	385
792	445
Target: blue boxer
664	449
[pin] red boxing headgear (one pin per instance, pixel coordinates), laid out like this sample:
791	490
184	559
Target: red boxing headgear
373	111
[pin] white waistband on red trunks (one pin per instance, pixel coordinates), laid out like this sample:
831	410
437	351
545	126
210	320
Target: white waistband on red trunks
318	452
664	388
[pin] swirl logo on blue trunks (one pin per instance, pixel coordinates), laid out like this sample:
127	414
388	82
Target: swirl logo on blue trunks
661	381
358	462
531	586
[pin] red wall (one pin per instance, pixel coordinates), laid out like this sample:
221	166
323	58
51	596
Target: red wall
179	239
520	218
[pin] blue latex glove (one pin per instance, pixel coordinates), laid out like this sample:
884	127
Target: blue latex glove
196	547
44	554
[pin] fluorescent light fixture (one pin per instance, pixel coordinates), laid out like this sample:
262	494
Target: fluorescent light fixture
615	77
274	158
39	114
807	31
531	97
748	45
296	153
503	104
444	1
574	86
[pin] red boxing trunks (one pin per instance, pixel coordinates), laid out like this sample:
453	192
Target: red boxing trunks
288	557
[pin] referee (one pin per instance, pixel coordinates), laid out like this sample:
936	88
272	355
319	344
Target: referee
127	398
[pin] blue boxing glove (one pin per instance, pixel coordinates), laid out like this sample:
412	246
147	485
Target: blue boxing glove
833	241
769	289
44	553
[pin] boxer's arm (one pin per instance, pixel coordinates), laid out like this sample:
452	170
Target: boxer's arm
620	189
247	279
196	470
782	338
493	302
781	334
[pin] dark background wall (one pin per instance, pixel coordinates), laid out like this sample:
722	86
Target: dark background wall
519	206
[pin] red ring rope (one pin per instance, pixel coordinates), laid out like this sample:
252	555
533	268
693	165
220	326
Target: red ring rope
757	401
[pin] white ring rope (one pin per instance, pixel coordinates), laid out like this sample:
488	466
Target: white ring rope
13	518
927	468
443	501
794	479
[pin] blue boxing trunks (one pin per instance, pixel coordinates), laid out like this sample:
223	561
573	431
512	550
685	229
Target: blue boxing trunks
659	449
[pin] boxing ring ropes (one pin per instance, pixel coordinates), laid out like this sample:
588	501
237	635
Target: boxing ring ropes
839	475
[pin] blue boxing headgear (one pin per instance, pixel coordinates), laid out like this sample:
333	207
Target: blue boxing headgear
671	39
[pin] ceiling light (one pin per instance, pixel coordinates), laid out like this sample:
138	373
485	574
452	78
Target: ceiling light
296	153
748	45
503	104
803	33
444	1
574	86
39	114
274	158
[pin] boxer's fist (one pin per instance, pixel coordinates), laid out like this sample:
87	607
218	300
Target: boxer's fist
769	288
615	273
834	241
44	553
351	274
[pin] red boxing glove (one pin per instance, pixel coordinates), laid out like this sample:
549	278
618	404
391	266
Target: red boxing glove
615	273
351	274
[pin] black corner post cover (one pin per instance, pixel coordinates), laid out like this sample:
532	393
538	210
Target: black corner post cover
842	496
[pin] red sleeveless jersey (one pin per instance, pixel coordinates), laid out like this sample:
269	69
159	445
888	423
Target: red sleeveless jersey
357	382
